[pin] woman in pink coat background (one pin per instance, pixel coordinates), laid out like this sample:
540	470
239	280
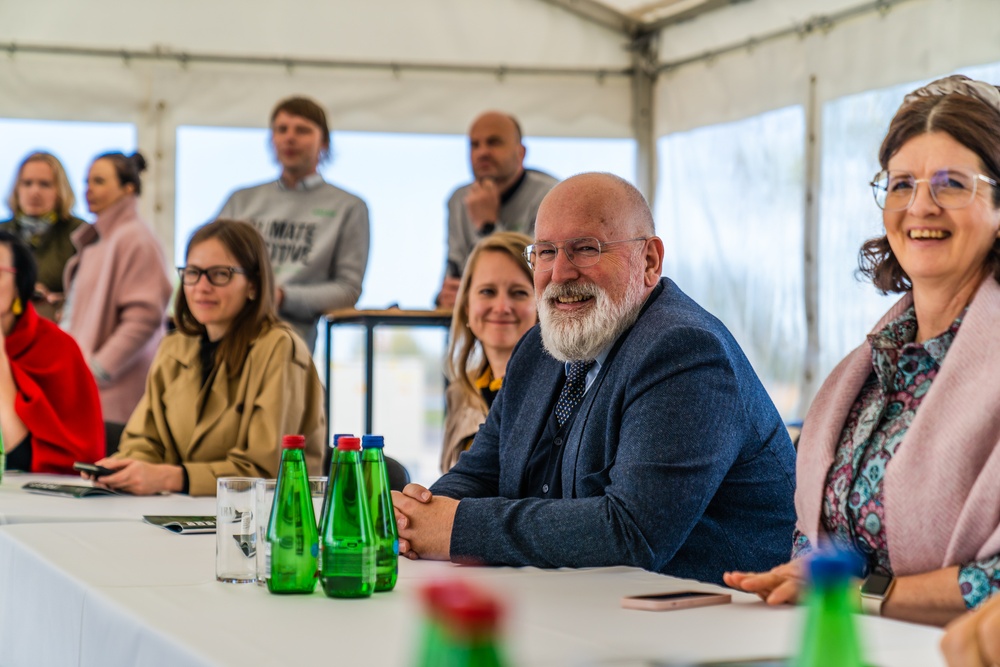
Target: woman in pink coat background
117	286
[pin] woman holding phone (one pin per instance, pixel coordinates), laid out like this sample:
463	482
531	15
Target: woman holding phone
227	385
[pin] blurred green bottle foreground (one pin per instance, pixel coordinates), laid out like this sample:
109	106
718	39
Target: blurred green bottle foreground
376	478
347	561
292	538
460	628
831	635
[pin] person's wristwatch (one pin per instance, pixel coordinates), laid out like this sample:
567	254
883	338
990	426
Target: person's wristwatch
874	590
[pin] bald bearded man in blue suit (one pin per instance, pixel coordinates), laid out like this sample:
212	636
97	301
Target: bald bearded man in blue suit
630	430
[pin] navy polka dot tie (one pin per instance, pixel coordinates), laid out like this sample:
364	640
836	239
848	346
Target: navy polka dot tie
572	391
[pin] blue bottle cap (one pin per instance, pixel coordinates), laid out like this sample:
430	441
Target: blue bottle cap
829	567
369	441
338	436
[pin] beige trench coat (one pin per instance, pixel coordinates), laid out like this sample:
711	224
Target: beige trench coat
231	426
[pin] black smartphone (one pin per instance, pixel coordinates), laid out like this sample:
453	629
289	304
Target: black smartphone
92	469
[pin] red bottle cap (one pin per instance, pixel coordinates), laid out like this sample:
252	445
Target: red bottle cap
349	443
293	442
464	608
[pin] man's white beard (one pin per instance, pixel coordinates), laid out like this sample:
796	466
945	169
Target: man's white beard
572	336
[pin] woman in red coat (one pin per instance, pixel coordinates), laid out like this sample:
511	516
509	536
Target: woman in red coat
50	412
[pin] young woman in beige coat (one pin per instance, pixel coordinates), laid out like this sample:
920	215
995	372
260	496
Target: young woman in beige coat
227	384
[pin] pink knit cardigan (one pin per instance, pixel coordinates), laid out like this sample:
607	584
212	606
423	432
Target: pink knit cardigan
942	488
120	290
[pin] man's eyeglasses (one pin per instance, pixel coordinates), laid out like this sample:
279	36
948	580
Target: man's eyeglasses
217	275
950	188
581	252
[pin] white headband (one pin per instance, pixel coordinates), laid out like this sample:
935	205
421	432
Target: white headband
961	84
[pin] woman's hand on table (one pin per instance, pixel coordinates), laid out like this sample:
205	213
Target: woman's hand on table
139	478
779	585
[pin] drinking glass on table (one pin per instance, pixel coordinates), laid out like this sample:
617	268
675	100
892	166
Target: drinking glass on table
236	530
264	500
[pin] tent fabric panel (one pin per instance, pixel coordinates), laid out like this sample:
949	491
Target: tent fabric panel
512	32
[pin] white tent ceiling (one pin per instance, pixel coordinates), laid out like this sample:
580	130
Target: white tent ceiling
611	68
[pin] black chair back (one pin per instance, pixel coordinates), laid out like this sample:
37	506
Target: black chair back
398	475
112	437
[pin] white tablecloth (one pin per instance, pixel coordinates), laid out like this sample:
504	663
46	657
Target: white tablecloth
126	593
18	506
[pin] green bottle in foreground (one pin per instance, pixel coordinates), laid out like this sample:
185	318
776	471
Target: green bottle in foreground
831	635
292	538
383	516
347	565
461	627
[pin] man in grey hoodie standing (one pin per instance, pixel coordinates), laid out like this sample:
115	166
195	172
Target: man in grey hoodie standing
317	234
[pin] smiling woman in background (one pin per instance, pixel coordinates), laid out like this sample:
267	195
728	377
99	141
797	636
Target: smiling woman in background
40	201
495	306
228	384
50	414
117	286
898	457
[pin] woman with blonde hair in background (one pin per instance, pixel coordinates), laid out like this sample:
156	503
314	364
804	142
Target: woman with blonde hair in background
41	202
494	307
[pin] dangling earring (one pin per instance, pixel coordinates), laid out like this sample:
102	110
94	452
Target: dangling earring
252	297
17	307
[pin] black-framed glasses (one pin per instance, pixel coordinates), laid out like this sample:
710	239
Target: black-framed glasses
581	253
219	276
950	188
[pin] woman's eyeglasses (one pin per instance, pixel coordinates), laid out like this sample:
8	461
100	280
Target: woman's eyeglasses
219	276
950	188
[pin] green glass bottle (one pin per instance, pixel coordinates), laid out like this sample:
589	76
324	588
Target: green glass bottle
292	538
347	565
460	628
831	636
326	496
383	516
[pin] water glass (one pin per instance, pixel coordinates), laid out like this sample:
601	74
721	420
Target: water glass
236	530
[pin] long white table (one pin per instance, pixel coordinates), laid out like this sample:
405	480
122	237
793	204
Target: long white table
126	593
19	506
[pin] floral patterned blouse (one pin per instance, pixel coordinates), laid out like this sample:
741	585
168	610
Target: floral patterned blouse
854	497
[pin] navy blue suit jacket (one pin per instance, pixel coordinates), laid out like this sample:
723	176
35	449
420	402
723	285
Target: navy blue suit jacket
676	462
